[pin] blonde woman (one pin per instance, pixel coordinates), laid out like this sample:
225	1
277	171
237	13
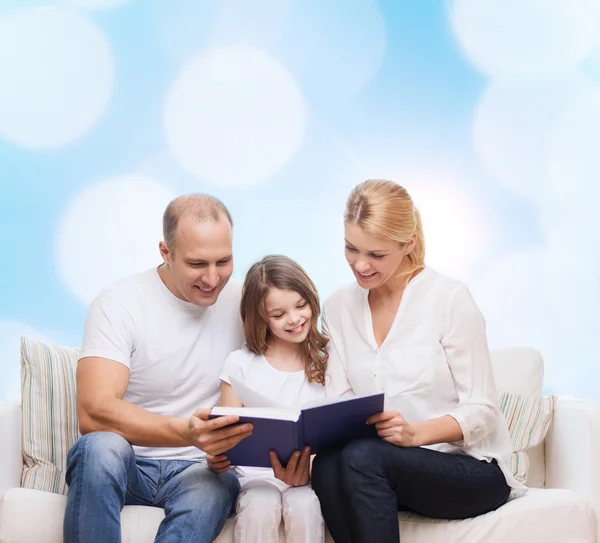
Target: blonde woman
408	331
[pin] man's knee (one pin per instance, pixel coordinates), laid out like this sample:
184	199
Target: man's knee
103	450
203	489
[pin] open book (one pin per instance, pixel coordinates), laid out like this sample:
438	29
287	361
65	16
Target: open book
319	425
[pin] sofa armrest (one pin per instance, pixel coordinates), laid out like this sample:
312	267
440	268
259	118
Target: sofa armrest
11	460
573	449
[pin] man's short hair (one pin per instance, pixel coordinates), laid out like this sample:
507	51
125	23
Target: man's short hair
202	207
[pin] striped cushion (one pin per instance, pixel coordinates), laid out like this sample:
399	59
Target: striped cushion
49	421
528	419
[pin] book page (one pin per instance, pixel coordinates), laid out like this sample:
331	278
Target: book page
275	413
331	401
251	398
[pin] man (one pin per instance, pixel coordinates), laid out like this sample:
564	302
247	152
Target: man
147	377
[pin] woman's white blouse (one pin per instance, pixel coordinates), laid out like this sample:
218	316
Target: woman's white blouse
434	361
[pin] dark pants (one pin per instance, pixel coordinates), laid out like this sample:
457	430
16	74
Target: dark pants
363	486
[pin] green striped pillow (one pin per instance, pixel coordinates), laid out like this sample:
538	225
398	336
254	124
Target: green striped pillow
528	419
49	423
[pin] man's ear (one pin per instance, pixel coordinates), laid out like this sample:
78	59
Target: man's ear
164	251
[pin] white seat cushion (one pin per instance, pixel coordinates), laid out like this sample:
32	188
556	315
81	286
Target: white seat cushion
31	516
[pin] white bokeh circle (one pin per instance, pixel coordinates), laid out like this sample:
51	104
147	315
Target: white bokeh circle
336	47
97	4
333	48
455	230
525	39
57	76
234	117
109	231
10	356
512	127
574	158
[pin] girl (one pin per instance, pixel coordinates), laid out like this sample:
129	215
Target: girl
284	359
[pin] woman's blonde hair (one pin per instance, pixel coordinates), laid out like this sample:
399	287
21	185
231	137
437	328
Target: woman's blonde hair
277	271
384	209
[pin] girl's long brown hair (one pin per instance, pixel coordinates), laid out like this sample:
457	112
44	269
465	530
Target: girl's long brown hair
278	271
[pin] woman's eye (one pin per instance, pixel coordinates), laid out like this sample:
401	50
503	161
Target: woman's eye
378	257
351	249
304	304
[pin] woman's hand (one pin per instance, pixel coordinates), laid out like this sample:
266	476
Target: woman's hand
391	427
297	470
219	464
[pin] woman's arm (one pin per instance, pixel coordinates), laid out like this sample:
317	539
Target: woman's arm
468	357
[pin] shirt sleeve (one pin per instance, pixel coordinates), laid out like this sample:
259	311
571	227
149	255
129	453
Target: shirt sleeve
468	358
109	332
336	379
233	367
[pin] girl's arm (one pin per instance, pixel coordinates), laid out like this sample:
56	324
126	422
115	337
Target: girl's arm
229	397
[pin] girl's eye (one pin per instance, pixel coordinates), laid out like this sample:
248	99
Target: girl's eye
278	316
303	304
350	249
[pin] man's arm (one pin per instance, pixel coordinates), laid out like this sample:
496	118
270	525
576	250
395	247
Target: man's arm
101	386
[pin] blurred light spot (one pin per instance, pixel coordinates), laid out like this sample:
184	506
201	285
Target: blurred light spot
234	117
333	48
512	127
110	230
574	157
525	39
97	4
57	76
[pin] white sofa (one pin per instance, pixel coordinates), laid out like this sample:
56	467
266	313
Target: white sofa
561	507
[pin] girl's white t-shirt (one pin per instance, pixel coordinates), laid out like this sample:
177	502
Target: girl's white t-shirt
285	388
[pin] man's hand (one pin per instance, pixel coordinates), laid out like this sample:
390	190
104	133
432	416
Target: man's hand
391	427
219	464
297	471
215	436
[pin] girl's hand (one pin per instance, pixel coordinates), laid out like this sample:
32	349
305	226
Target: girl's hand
219	464
391	427
297	471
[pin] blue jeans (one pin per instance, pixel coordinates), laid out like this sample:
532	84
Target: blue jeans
362	487
104	474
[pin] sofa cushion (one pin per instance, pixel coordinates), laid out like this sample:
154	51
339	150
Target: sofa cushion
519	370
49	423
29	516
32	516
528	420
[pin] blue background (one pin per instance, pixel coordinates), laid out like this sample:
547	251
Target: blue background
487	111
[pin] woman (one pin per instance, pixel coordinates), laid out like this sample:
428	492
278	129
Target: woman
404	329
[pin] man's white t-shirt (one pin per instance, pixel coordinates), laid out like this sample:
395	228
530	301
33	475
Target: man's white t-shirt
174	350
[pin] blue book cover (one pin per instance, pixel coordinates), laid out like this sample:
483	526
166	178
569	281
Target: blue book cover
322	426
